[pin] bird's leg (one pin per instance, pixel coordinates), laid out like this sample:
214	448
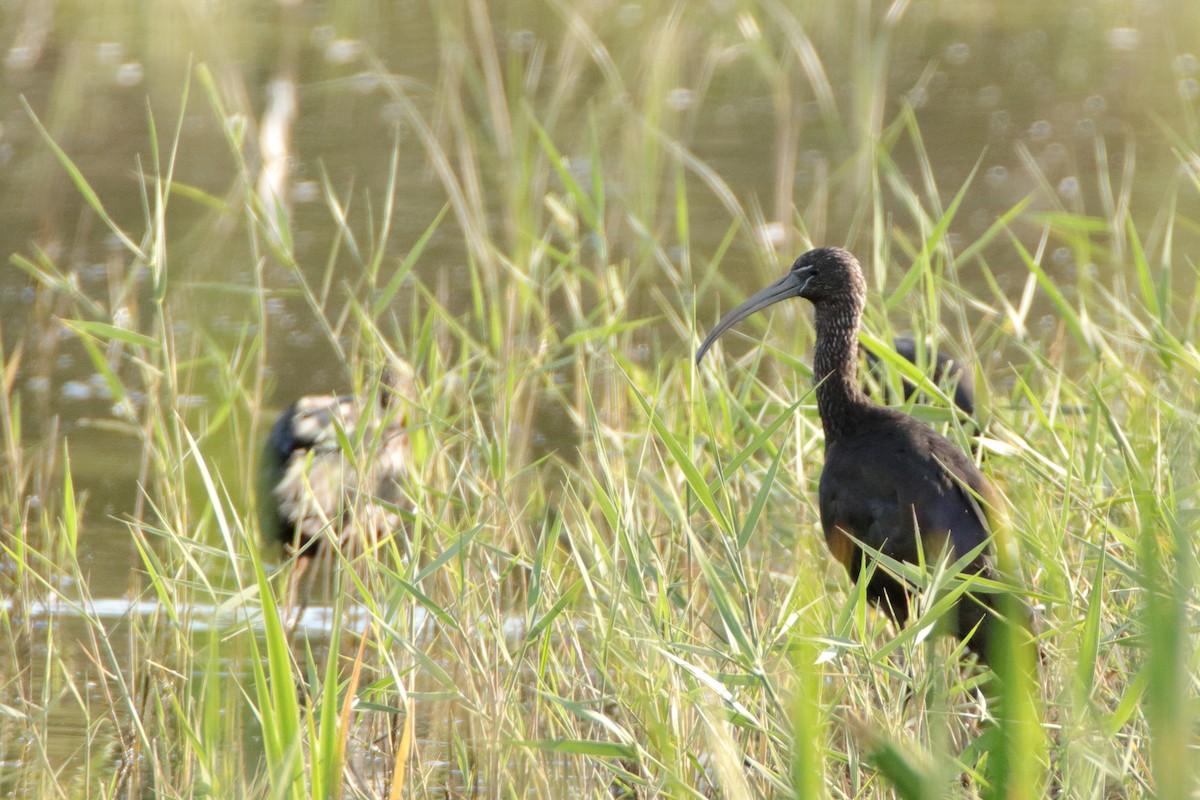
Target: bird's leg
883	590
891	595
329	569
294	604
977	620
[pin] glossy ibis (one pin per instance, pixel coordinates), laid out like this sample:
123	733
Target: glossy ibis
890	481
333	465
947	373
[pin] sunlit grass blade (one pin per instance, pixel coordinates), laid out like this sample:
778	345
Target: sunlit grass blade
403	752
908	776
583	747
755	444
70	513
277	706
1089	639
81	183
760	502
388	293
112	333
1067	312
690	472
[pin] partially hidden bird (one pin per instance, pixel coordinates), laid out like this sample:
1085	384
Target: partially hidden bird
946	372
889	481
333	468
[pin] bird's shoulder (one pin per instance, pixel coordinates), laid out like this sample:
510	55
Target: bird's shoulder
893	440
896	455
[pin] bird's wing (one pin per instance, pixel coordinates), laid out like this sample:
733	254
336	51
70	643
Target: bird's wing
883	489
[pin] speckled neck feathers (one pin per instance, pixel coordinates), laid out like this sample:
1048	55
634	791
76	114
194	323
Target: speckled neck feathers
840	399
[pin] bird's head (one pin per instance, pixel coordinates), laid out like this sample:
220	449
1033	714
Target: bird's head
824	275
827	274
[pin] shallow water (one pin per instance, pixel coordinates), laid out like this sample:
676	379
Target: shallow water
997	89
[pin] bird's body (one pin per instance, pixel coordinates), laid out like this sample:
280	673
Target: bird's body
900	488
945	371
890	482
333	467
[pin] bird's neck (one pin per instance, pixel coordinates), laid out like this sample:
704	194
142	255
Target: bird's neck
840	399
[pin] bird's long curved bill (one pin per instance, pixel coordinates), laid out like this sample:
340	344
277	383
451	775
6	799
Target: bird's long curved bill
787	286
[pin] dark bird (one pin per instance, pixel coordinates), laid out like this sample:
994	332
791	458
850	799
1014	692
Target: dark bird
947	373
333	465
890	481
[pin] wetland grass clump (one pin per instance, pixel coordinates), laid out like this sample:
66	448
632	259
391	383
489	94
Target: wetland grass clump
642	606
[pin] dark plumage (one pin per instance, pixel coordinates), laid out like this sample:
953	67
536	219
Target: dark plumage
313	486
888	479
946	373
